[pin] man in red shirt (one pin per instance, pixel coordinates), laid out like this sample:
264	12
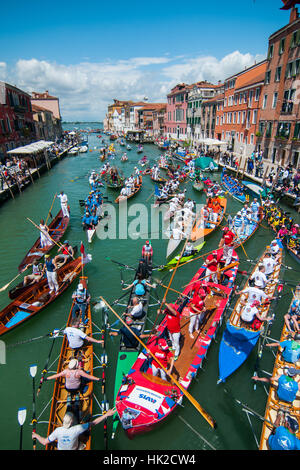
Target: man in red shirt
212	262
161	351
197	309
227	243
173	326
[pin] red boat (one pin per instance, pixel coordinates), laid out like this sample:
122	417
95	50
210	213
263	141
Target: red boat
144	401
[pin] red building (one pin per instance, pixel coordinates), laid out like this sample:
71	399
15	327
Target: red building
16	118
176	113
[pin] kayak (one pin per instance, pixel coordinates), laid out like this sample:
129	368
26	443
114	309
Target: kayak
171	264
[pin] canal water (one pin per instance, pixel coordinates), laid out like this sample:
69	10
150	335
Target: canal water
186	429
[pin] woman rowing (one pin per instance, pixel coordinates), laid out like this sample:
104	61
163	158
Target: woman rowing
139	285
73	375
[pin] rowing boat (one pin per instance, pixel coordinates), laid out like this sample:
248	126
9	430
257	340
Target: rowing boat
136	190
274	404
160	179
81	404
144	401
178	230
20	288
37	297
171	264
199	232
239	338
114	184
126	355
57	228
243	237
232	187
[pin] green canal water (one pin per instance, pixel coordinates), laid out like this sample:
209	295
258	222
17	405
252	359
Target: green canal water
17	236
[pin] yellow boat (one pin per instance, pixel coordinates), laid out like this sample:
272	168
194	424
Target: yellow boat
199	232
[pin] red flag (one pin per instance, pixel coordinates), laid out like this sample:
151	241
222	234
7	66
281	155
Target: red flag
82	248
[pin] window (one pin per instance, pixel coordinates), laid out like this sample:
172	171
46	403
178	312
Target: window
297	131
241	98
238	117
295	40
8	124
270	51
268	77
250	98
242	137
281	46
277	74
283	129
264	105
233	120
257	94
275	97
243	117
252	139
254	117
269	130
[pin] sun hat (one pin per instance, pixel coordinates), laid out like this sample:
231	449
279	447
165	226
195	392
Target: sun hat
163	344
73	364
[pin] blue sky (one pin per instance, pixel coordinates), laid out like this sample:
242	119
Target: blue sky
79	50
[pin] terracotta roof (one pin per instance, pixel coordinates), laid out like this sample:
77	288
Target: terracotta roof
42	96
258	79
36	108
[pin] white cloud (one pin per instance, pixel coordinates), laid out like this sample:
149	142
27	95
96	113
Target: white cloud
85	89
3	69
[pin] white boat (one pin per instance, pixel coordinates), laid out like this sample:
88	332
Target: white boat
83	149
73	151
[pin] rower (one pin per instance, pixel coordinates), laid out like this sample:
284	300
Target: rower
269	264
173	327
287	386
139	285
161	351
251	316
73	374
147	252
143	269
135	310
290	349
64	204
76	337
254	294
67	252
292	318
275	249
87	222
81	299
259	277
44	235
50	266
189	249
37	273
284	434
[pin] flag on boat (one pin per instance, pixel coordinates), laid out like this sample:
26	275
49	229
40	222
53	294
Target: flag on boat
86	257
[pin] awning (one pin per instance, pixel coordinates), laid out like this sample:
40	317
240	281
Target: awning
209	141
35	147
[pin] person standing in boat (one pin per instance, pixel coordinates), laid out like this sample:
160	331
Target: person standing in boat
173	327
50	266
44	235
147	252
227	243
81	299
161	351
197	312
64	204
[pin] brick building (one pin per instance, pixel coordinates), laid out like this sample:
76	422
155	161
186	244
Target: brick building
50	103
16	118
177	101
279	121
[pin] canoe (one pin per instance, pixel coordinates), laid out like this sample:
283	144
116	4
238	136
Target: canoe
231	186
35	299
199	232
136	190
171	264
82	403
144	401
239	338
175	241
127	356
20	288
273	403
57	228
198	186
243	238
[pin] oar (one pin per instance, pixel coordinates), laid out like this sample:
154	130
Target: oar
120	264
232	265
45	370
194	402
8	284
49	213
21	419
33	370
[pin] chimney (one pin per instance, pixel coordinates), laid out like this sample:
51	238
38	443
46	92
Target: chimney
294	14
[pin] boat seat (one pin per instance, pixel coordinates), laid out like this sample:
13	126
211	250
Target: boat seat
25	306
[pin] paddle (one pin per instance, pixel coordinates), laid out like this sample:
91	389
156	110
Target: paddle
205	415
21	419
45	370
49	213
232	265
120	264
33	370
8	284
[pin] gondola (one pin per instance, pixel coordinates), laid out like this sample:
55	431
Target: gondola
136	190
239	338
62	401
199	232
273	403
20	288
144	401
127	356
35	299
57	229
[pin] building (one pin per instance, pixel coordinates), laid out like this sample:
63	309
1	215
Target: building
151	118
16	118
115	118
197	95
237	113
159	116
279	120
50	103
176	113
44	123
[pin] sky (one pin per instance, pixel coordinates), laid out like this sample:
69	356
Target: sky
88	53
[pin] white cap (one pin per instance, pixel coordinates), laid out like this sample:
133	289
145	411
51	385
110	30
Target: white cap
68	420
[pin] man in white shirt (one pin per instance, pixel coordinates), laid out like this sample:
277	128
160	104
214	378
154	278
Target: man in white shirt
259	277
269	264
67	434
254	294
76	337
64	204
274	249
136	309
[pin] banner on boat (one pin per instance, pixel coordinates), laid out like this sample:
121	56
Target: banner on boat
146	398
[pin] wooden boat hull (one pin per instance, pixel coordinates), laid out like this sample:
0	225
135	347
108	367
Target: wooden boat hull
137	189
243	238
22	308
147	401
198	232
60	403
238	340
57	228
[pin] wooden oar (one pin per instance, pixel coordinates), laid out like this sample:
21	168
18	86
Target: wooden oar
194	402
45	370
57	244
232	265
21	419
49	213
33	370
8	284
